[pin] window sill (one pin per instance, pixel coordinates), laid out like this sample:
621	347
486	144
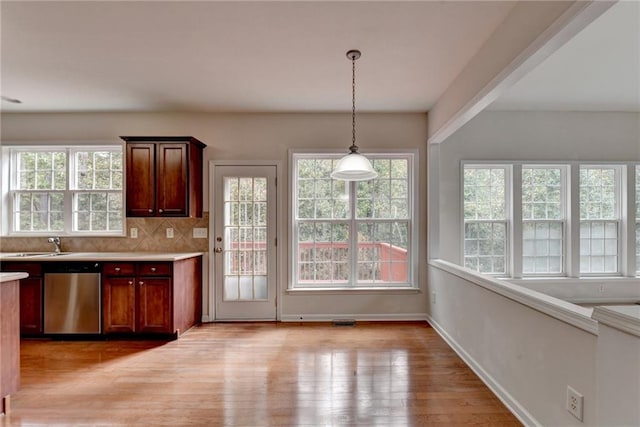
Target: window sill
352	291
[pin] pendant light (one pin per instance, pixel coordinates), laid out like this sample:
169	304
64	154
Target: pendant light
354	166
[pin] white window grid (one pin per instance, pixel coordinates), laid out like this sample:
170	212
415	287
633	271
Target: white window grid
600	219
543	196
626	222
336	253
64	212
485	225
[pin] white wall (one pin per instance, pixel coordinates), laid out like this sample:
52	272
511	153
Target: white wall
525	136
262	137
526	356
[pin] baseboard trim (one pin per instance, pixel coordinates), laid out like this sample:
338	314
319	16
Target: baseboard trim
501	393
360	317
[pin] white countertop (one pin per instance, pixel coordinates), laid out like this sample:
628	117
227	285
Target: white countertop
9	277
97	256
623	317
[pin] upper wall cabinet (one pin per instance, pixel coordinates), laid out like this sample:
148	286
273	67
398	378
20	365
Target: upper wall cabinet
164	176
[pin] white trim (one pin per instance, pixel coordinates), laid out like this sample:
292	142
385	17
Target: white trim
412	156
565	27
501	393
211	317
571	314
356	317
355	290
616	318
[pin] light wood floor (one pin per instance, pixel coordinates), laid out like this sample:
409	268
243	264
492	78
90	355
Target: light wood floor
265	374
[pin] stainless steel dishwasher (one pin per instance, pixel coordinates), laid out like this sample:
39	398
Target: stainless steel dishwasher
72	298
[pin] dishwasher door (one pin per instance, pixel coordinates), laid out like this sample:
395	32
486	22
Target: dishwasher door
72	299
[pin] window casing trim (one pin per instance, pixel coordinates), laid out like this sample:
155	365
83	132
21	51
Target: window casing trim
571	254
9	155
412	283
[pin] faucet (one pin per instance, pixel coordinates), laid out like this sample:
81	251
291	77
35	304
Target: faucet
55	241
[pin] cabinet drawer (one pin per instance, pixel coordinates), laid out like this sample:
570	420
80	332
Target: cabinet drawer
118	269
33	268
154	269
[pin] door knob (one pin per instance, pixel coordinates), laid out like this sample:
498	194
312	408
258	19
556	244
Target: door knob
218	250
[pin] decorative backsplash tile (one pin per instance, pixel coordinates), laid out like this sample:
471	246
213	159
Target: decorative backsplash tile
151	238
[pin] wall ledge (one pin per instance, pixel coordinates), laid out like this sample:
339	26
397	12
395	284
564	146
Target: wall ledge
623	318
579	317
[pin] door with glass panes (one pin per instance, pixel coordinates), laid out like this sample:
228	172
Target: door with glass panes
244	241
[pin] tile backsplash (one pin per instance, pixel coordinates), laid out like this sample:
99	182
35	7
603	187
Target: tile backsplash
152	237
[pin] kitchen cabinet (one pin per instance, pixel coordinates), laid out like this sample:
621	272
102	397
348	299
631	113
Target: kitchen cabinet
30	296
156	298
164	176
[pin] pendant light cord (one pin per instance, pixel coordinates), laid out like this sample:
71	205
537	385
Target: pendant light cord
354	147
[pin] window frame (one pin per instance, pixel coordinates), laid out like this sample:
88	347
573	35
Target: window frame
619	218
564	201
508	173
350	285
9	190
627	215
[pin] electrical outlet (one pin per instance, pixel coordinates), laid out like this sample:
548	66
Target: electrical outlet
575	403
133	232
169	233
433	297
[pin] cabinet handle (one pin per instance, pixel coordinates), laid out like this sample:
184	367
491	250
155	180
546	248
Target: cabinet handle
131	282
150	210
160	210
117	269
153	269
141	283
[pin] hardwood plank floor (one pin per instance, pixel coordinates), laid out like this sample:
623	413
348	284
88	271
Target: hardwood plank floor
256	374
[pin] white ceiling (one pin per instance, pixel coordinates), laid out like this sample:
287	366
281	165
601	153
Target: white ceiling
284	56
597	70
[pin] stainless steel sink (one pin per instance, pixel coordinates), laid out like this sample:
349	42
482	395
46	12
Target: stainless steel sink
34	254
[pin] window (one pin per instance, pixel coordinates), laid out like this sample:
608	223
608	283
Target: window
352	234
599	219
543	221
64	190
485	219
555	219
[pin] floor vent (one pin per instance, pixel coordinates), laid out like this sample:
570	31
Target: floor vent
343	322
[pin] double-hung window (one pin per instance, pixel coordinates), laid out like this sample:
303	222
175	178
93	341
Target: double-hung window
599	219
66	190
543	220
485	218
352	234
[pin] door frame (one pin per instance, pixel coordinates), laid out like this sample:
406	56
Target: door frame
210	295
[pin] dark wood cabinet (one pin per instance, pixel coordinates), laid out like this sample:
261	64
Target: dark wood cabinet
162	298
164	176
30	296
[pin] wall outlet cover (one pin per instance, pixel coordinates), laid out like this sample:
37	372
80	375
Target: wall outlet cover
169	233
133	232
200	233
575	402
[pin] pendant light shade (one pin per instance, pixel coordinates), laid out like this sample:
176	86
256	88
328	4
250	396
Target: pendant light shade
354	166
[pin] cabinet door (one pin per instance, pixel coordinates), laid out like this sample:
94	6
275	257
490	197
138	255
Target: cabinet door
118	304
141	176
172	196
154	305
31	306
